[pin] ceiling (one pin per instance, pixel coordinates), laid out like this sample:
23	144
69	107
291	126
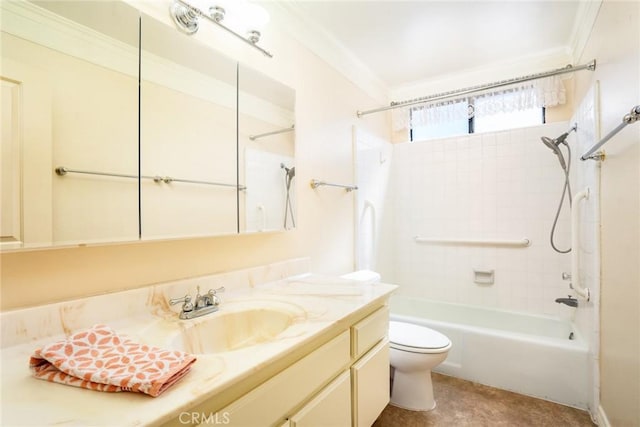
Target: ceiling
405	42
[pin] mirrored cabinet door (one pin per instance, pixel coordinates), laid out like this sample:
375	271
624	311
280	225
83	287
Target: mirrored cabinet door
69	103
266	147
188	136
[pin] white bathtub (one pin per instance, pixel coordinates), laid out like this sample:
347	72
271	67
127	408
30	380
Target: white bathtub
527	354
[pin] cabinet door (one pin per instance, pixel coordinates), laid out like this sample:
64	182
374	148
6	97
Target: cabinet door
271	402
332	407
370	385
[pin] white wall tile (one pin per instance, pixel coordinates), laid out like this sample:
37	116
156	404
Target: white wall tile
502	185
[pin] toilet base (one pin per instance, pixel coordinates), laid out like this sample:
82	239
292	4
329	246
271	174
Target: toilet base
413	391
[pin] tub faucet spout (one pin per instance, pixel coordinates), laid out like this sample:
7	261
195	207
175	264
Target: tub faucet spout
571	302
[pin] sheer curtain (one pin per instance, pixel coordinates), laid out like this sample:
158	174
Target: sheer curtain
547	92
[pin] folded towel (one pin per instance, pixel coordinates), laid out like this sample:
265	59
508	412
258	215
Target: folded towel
99	359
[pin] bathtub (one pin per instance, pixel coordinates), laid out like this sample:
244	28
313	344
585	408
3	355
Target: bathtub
524	353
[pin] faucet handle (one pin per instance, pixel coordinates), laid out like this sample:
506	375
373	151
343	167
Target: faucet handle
213	297
186	300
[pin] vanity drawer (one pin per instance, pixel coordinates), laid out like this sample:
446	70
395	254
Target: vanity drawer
369	331
269	403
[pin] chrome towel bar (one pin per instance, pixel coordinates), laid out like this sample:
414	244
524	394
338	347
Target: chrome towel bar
63	170
275	132
316	183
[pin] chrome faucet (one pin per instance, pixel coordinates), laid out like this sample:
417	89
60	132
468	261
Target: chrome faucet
571	302
203	304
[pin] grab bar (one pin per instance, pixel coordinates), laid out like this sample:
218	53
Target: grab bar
316	183
474	242
632	117
63	170
575	245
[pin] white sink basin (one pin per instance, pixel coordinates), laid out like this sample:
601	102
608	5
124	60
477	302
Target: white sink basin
234	326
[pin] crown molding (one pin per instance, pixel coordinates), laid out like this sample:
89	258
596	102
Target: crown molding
302	27
582	26
38	25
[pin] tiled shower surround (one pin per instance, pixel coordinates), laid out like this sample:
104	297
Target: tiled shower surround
501	185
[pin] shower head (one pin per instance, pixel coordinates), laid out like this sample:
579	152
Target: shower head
291	172
553	144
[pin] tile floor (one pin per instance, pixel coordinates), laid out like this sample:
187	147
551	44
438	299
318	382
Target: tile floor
462	403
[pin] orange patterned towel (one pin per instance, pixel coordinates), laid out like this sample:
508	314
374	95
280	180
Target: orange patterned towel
99	359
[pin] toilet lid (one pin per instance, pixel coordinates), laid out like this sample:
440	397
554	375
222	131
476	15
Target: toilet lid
415	337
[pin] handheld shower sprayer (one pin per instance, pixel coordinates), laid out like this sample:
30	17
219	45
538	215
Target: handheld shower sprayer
551	143
290	173
554	144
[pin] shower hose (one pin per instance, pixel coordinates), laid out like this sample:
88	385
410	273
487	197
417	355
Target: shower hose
566	189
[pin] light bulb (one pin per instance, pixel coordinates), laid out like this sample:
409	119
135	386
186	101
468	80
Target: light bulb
256	17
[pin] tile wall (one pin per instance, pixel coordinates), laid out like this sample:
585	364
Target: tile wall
501	185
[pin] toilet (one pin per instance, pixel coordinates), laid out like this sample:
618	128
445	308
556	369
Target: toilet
414	351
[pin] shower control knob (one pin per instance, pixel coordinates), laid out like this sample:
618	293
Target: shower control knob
566	276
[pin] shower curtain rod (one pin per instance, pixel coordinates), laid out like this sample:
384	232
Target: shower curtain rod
591	66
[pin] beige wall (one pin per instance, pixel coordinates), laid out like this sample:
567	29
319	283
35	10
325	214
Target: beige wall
326	103
615	43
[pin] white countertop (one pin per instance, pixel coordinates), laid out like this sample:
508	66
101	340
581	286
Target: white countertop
316	305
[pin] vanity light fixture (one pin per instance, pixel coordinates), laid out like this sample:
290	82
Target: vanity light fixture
186	18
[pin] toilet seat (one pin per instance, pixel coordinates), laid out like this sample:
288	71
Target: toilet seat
416	339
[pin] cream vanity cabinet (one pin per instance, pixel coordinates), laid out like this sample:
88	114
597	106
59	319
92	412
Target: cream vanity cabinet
343	382
370	369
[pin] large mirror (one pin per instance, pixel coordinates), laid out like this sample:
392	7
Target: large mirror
69	103
187	136
266	147
117	127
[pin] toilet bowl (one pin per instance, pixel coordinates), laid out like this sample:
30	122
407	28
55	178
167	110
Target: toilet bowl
414	352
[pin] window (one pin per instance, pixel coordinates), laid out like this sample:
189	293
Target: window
508	120
483	113
455	123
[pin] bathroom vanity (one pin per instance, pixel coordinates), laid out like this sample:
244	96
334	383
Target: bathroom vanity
285	349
